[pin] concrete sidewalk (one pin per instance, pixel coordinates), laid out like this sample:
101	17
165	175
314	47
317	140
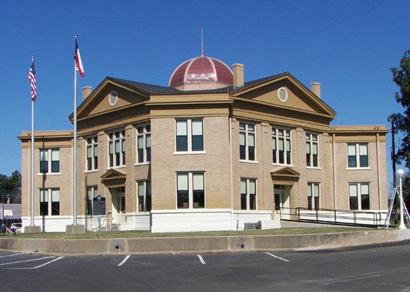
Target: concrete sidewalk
149	245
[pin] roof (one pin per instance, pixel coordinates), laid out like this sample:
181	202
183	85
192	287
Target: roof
200	70
162	90
63	134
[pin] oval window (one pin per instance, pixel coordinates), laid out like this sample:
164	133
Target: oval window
113	98
282	94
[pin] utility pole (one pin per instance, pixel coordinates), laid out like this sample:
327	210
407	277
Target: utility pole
393	149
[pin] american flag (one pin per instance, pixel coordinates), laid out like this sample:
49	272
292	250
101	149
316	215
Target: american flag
33	81
77	57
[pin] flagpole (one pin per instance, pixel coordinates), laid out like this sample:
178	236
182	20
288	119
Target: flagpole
75	148
32	162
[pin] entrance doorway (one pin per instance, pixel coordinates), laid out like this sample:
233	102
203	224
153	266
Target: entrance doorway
282	200
118	205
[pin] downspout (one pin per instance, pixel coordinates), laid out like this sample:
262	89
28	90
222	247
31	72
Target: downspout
334	170
231	165
378	170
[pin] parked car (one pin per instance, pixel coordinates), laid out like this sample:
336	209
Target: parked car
16	227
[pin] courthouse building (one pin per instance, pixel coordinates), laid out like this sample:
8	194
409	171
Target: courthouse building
210	151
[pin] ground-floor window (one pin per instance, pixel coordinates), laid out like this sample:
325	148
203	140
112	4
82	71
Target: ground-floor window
50	202
248	194
144	196
359	196
91	194
190	190
313	196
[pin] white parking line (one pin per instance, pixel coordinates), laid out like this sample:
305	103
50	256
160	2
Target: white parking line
26	261
39	266
276	257
124	260
11	255
201	259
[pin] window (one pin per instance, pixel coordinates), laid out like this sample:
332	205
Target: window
189	135
49	165
92	153
312	150
190	190
359	196
248	194
44	160
49	202
313	196
91	194
281	146
247	141
144	144
144	196
116	149
357	155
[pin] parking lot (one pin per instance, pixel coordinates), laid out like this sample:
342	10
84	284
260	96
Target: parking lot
378	268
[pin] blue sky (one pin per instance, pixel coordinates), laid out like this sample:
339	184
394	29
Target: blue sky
348	46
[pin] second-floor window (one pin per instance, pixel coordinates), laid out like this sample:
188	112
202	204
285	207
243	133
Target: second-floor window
49	160
357	155
116	148
143	144
247	139
312	150
281	146
189	135
92	153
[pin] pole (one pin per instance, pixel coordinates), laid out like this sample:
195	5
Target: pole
32	167
32	162
400	172
75	149
393	152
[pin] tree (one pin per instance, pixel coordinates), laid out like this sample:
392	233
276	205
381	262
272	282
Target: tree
401	76
10	188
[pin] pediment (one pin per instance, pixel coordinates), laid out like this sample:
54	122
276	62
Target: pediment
299	98
98	102
286	172
112	174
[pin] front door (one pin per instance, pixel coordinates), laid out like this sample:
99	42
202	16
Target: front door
118	205
282	201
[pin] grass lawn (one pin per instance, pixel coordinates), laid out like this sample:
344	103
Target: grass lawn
138	234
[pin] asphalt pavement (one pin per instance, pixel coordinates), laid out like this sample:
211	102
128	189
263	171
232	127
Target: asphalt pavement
381	268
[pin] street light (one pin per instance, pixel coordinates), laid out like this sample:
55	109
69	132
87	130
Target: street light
400	172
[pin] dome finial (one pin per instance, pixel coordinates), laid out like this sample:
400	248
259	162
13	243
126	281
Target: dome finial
202	42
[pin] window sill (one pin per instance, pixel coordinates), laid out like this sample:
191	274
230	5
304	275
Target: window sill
358	168
49	173
189	152
287	165
314	167
142	163
116	167
249	161
91	171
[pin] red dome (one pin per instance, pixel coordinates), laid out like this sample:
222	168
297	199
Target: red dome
201	73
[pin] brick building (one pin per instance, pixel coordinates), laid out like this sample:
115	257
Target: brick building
208	152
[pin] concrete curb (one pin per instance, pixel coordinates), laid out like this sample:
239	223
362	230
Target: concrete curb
203	244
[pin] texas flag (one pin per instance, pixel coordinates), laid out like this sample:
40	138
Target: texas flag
77	57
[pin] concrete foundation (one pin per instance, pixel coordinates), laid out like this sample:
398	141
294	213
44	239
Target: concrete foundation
72	229
32	229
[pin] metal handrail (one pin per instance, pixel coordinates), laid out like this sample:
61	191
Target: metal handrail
333	216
